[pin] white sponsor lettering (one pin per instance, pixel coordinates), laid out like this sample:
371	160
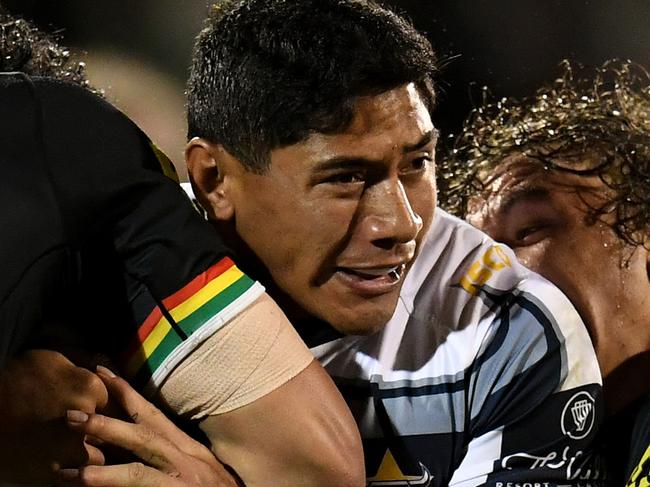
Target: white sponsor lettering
525	484
574	469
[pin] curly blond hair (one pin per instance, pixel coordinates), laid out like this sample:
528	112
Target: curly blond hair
605	110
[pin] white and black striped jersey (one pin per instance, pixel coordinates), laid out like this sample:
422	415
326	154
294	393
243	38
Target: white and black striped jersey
485	374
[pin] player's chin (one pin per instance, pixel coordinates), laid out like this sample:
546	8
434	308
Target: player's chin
365	317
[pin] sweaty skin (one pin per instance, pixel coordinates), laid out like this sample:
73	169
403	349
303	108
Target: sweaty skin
337	218
544	216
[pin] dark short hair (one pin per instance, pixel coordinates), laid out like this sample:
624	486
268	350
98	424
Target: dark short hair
25	49
267	73
602	112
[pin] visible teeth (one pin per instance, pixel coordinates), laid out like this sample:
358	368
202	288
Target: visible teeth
377	272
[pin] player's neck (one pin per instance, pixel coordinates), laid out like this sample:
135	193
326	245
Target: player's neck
623	351
253	267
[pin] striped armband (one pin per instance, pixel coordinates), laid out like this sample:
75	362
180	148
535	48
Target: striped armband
186	319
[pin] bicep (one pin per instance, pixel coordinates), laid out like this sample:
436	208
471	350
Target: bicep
269	410
300	434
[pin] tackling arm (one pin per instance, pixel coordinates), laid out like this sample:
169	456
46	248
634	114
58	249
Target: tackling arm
278	418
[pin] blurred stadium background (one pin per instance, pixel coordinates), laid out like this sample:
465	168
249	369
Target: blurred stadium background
139	51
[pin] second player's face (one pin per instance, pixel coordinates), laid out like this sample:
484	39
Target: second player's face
338	218
544	216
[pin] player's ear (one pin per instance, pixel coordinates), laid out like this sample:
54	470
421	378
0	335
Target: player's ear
206	167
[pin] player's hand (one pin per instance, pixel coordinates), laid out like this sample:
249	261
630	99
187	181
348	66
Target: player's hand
167	456
36	390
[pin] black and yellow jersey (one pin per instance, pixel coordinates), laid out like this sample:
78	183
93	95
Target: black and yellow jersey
98	240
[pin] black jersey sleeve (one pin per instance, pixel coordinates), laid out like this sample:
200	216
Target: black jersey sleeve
32	255
143	247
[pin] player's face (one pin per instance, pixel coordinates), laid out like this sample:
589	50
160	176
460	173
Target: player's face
543	215
338	218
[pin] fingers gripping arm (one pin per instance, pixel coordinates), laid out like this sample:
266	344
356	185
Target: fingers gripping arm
279	418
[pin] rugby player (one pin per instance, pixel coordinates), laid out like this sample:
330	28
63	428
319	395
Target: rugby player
312	150
563	178
103	252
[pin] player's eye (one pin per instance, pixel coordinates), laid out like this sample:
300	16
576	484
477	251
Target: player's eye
529	234
416	166
346	178
420	163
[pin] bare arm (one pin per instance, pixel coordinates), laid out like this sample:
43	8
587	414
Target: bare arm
270	411
300	434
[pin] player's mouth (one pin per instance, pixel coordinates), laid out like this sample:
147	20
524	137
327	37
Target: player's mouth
371	281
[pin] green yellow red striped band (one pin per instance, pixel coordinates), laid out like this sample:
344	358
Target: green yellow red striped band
189	308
